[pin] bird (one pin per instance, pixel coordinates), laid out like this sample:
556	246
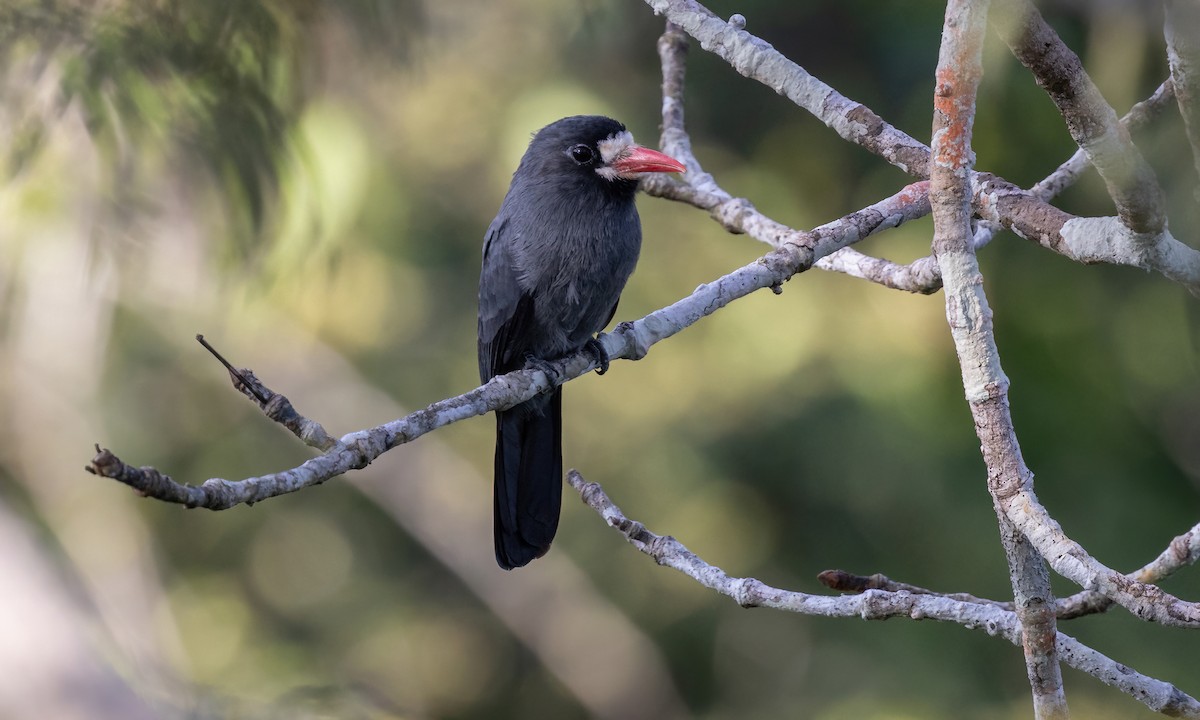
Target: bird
555	260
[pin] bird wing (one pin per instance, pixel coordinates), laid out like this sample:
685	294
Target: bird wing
505	310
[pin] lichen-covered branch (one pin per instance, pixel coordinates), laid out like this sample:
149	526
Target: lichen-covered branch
843	581
1069	559
1071	169
1091	121
1182	551
956	84
1069	172
923	275
1085	240
737	215
755	58
630	340
1114	243
1182	31
878	604
700	189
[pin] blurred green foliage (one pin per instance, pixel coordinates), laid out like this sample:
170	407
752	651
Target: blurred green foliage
213	86
324	171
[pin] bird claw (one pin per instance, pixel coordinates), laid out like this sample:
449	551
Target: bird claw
537	363
595	348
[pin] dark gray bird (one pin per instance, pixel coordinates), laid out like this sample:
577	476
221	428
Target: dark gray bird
555	260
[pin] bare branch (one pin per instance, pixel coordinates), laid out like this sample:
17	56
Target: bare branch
1182	31
919	276
1089	240
1181	551
274	405
630	340
738	215
1085	240
1091	121
1002	202
843	581
145	480
1069	172
1069	559
875	604
755	58
700	189
957	82
924	276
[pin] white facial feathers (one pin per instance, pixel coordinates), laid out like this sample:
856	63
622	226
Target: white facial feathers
611	148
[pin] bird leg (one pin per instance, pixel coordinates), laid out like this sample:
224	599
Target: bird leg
595	348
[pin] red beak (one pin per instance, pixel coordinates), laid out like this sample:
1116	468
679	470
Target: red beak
637	160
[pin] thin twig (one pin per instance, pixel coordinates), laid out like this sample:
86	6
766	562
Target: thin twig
240	380
1069	172
1183	550
276	406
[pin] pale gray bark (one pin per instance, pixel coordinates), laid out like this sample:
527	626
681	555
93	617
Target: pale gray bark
959	69
875	604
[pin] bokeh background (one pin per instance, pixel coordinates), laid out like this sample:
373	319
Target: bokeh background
307	183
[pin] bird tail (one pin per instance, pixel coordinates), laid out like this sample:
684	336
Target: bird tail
528	491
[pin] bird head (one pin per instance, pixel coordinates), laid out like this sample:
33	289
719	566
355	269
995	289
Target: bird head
596	147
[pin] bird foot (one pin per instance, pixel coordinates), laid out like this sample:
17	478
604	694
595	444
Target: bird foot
537	363
595	348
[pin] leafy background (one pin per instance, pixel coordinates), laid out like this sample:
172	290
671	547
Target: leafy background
307	183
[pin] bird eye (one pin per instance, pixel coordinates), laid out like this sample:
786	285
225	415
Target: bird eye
581	154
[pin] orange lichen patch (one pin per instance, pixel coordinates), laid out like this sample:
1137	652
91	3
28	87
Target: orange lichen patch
954	113
913	193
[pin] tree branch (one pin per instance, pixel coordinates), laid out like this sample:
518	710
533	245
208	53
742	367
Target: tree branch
1182	550
923	275
630	340
957	81
1069	172
875	604
1033	217
1182	32
843	581
738	215
701	190
275	406
1087	240
755	58
1091	121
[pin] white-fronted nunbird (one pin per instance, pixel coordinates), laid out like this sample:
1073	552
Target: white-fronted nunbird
555	260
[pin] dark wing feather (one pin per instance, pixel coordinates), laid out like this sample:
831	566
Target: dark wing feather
505	310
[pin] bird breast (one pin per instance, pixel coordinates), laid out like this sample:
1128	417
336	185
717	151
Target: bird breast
576	272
